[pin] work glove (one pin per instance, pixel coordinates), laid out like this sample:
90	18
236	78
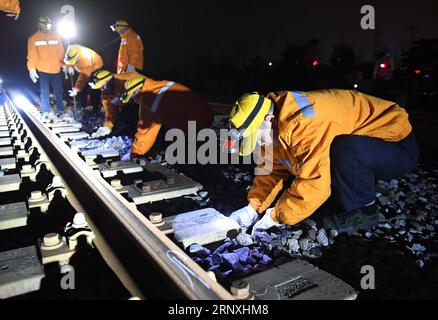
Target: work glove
245	217
265	223
126	157
73	92
68	71
33	74
101	132
130	68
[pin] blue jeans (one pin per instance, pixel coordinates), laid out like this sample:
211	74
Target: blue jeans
358	161
54	80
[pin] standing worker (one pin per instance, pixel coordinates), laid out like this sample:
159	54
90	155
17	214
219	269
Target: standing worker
163	105
111	87
131	48
45	52
11	7
85	61
332	141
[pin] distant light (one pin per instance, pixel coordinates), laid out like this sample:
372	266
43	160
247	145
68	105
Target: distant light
356	86
67	29
270	64
383	65
315	63
1	80
417	71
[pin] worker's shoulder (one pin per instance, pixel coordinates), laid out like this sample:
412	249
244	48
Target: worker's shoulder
133	35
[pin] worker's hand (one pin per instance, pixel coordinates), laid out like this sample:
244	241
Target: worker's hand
245	217
266	222
68	71
130	68
73	92
101	132
33	74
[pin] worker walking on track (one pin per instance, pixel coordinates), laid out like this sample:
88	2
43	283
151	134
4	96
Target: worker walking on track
11	7
111	86
332	141
85	61
45	52
131	48
163	105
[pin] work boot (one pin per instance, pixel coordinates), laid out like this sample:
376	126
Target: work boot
351	222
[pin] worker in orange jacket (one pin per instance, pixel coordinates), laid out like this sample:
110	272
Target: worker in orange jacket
11	7
332	141
85	61
131	48
45	52
163	105
111	86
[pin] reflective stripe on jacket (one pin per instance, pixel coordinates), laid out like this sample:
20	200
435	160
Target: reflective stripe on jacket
45	52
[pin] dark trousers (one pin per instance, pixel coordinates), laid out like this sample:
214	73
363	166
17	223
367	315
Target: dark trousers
358	161
54	80
89	97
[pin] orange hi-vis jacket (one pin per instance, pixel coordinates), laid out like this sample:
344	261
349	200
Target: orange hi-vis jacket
10	6
117	86
89	61
130	52
169	104
307	125
45	52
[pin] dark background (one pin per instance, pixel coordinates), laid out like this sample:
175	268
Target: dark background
206	44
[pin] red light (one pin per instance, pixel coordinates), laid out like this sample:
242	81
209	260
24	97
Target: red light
230	144
315	63
383	65
417	71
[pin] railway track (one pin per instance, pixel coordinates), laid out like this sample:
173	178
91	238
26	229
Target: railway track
147	263
67	203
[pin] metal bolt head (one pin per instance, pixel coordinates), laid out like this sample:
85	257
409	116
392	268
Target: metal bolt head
79	220
156	218
116	183
137	182
27	168
36	195
240	289
51	240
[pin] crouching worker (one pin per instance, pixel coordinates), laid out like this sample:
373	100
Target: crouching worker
85	61
163	105
111	86
334	142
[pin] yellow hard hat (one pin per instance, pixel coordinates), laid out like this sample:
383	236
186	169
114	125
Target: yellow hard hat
246	118
99	78
131	86
71	56
119	25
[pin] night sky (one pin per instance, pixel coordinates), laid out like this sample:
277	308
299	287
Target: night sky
178	34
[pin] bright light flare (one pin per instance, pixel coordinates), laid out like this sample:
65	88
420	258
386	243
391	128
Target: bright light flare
383	65
67	29
22	102
356	86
